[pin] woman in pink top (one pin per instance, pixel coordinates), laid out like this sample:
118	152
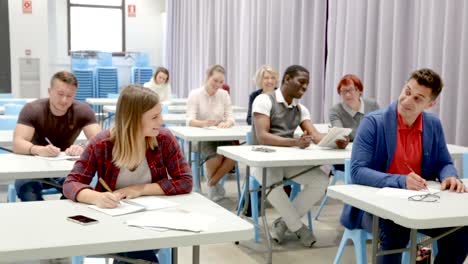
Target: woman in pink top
208	106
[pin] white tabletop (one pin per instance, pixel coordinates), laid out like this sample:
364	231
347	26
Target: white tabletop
450	211
291	157
6	138
182	109
102	101
13	100
208	134
15	166
39	230
178	101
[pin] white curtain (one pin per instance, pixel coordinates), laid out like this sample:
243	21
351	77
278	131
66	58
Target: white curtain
242	35
383	41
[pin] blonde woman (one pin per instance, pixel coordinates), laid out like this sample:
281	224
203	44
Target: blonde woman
135	158
207	106
160	84
266	79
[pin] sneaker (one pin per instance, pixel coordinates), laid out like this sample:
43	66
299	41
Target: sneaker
221	190
278	230
305	236
213	194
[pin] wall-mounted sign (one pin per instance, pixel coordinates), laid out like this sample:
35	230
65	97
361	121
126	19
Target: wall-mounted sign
131	10
27	6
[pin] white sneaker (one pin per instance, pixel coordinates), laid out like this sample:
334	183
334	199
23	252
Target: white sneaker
221	190
213	194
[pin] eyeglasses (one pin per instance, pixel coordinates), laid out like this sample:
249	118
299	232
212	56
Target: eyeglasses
345	91
428	197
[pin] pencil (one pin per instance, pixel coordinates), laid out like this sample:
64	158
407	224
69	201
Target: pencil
48	141
104	184
408	166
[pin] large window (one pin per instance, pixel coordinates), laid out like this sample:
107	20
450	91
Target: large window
96	25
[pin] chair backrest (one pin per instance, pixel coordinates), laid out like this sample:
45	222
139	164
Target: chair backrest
248	138
112	95
465	165
347	172
165	109
6	101
8	122
13	109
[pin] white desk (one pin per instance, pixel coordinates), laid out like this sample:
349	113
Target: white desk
39	230
451	212
6	138
179	101
101	101
197	134
182	109
293	157
180	119
15	166
13	100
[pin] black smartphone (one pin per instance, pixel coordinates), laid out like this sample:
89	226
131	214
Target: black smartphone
82	220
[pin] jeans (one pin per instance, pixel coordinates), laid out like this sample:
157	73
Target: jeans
149	255
31	190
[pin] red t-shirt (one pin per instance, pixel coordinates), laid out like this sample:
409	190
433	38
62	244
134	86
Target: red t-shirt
408	150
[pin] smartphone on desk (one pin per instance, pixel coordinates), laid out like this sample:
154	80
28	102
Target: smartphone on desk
82	220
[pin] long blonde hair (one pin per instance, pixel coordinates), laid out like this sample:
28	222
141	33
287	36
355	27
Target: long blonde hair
133	102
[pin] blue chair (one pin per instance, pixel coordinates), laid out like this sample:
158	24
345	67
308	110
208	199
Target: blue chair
465	165
13	109
337	175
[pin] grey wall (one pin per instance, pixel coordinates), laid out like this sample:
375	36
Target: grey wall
5	71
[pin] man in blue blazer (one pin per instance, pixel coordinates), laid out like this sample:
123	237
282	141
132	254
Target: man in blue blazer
403	147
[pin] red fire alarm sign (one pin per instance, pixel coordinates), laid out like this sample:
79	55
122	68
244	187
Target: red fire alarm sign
131	9
27	7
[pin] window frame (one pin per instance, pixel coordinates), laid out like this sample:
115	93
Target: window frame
124	25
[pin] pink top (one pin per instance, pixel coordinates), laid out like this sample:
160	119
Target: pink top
201	106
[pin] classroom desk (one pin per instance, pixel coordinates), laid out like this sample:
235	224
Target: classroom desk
6	138
180	119
199	135
15	166
178	101
451	212
182	109
39	230
13	100
293	157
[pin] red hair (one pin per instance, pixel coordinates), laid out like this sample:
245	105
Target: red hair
350	79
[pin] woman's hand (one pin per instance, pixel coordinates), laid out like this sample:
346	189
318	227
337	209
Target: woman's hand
108	200
130	192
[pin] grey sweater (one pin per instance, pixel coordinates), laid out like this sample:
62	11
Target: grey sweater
339	117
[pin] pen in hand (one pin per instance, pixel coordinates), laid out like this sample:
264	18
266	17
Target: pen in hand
104	184
411	170
48	141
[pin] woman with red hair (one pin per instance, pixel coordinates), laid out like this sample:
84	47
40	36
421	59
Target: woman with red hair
353	107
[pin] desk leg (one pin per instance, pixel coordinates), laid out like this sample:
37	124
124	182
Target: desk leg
175	256
412	248
196	255
199	165
194	172
265	223
375	238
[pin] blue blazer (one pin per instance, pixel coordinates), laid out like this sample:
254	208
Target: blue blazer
373	150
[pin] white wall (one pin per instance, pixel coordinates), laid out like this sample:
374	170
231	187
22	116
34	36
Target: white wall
45	33
29	31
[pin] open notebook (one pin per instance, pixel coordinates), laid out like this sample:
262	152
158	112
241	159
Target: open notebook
136	205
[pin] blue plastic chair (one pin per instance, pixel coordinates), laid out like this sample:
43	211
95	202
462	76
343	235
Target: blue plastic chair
13	109
465	165
337	175
6	101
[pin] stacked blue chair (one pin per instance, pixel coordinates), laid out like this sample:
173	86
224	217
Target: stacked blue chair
86	88
106	81
140	75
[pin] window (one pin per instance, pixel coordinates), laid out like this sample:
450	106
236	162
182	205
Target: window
96	25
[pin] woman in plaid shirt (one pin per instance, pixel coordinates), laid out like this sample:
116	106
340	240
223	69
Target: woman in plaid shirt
134	158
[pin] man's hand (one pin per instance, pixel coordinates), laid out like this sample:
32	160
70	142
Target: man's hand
46	151
210	122
226	124
453	184
415	182
342	143
74	150
304	141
